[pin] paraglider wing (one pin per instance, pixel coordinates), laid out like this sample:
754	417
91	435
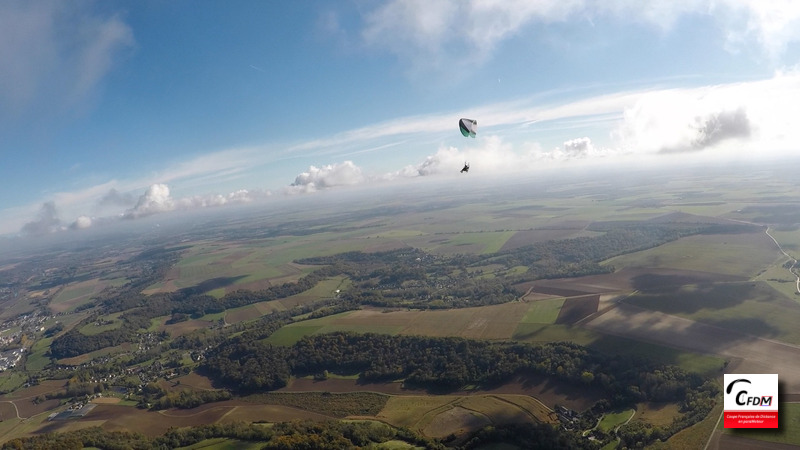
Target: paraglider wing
468	127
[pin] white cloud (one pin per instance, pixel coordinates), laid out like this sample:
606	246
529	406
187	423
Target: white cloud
774	24
158	199
756	117
82	222
155	200
47	221
443	34
578	147
428	32
331	175
52	55
721	126
753	119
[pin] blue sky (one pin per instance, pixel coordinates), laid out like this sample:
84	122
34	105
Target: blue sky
113	110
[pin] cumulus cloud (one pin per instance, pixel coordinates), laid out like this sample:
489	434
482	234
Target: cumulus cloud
81	223
47	221
339	174
753	118
578	148
158	199
155	200
720	126
494	156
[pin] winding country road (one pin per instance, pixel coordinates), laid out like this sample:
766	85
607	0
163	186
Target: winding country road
15	408
794	261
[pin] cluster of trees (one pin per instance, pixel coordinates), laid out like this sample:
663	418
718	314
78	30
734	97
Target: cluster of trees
286	435
446	364
523	435
450	363
697	404
74	343
73	389
187	399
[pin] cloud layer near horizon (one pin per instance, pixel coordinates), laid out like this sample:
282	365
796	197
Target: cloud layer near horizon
753	119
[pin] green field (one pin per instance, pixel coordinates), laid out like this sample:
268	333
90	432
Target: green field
751	307
224	444
612	420
36	359
11	380
110	322
788	431
543	311
289	335
538	332
720	253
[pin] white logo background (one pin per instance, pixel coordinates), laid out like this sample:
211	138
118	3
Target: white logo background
761	385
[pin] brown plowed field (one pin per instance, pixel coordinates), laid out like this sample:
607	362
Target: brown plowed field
151	423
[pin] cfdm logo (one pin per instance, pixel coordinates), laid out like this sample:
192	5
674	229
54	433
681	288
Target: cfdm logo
751	400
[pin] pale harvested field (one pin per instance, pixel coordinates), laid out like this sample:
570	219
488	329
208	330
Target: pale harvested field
264	308
194	380
249	312
456	420
442	415
187	326
106	400
489	322
757	355
75	294
270	413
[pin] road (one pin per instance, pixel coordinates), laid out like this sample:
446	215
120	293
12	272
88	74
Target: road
794	261
15	408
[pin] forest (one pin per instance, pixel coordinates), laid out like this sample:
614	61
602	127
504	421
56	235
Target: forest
447	364
288	435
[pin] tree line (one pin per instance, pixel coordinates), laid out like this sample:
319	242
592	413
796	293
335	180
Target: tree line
285	435
446	364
